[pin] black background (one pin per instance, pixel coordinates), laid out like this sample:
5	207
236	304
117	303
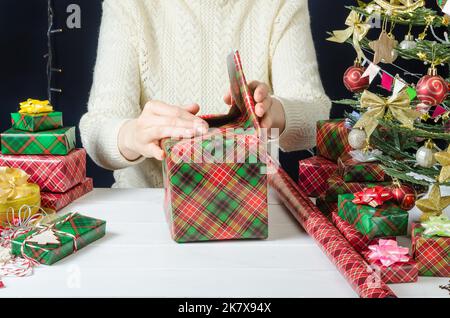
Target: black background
22	66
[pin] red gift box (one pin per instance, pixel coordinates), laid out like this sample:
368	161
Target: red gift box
332	139
52	173
313	175
58	201
405	272
352	170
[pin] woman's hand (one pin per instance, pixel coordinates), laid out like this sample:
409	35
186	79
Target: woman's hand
269	110
142	136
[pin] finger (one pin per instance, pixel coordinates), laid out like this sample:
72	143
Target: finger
165	121
266	122
152	150
192	108
262	108
173	132
261	92
227	98
163	109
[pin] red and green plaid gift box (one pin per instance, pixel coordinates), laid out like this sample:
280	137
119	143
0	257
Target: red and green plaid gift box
51	142
332	139
73	231
325	206
216	197
432	254
51	173
313	175
337	186
358	241
58	201
352	170
386	220
398	273
37	122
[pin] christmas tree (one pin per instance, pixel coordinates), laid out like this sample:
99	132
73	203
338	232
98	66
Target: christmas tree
402	121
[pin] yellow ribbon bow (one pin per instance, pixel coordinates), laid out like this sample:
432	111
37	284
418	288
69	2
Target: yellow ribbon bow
13	184
399	107
356	28
400	6
34	106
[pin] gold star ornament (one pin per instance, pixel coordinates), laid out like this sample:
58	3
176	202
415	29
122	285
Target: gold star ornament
444	159
434	205
384	48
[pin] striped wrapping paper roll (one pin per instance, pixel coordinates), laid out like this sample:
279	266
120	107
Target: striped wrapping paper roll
351	265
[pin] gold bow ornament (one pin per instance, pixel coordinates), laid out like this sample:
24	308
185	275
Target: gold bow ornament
444	159
400	6
35	106
15	192
397	105
356	28
434	205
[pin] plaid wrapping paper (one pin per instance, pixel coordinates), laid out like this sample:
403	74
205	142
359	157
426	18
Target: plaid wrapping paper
350	263
52	173
398	273
58	201
313	175
326	207
85	229
432	254
332	139
352	170
358	241
51	142
38	122
337	186
382	221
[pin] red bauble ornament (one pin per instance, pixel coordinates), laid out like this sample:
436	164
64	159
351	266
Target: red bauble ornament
432	89
353	80
405	196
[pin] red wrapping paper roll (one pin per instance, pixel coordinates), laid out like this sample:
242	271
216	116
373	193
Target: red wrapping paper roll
351	265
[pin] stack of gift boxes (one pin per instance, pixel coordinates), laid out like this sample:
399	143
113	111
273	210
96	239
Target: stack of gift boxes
339	182
38	144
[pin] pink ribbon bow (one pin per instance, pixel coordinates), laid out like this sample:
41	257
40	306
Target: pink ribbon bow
388	253
373	196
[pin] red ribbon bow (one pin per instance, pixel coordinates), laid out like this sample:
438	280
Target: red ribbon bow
373	196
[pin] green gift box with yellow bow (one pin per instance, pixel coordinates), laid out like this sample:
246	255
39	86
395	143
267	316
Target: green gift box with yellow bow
35	115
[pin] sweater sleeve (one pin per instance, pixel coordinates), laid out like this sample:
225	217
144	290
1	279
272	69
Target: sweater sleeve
115	93
295	76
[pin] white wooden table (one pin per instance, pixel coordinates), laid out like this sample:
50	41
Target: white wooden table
137	258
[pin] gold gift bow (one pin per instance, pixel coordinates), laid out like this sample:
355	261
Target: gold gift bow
400	6
356	28
377	106
34	106
14	184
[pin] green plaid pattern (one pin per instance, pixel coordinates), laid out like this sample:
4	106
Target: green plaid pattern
431	253
352	170
85	229
332	139
51	142
337	186
38	122
387	220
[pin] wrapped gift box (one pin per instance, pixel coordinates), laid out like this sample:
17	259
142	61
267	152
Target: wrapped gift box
37	122
337	186
326	207
51	142
50	243
52	173
386	220
406	272
332	139
58	201
432	254
352	170
218	197
314	173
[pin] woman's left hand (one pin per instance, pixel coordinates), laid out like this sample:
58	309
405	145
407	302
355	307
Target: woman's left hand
269	110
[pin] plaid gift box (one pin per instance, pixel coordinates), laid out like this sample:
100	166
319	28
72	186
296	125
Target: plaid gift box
352	170
332	139
358	241
382	221
72	232
51	142
406	272
51	173
337	186
37	122
58	201
313	175
325	206
432	254
217	198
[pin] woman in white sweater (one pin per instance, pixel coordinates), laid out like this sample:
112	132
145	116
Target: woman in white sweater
162	62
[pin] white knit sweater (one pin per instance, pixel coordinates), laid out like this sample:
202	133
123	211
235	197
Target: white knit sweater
175	51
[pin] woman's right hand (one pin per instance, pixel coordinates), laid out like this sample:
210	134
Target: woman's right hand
142	136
